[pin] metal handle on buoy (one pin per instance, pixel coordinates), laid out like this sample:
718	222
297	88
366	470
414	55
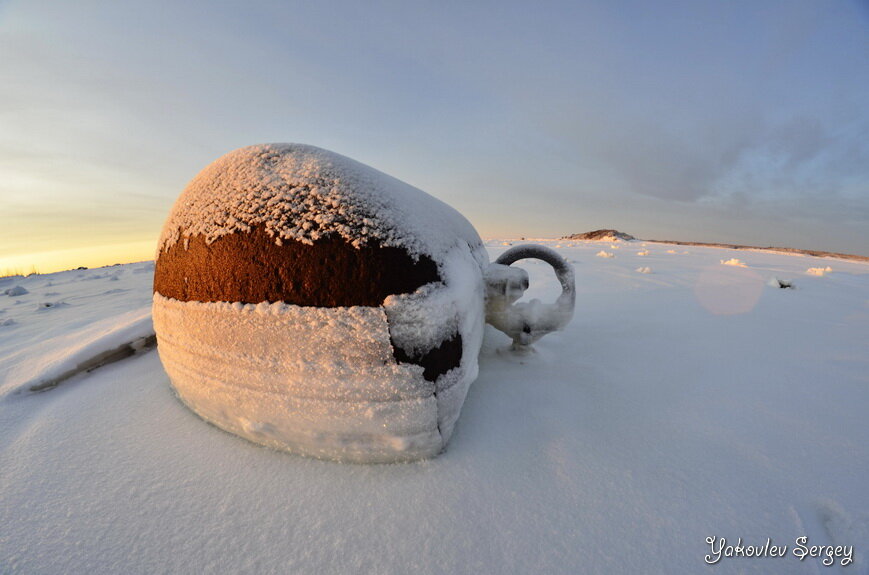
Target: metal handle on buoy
527	322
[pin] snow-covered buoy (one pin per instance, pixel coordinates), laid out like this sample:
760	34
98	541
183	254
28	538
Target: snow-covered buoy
308	302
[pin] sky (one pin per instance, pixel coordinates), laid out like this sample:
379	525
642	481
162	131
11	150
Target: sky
738	121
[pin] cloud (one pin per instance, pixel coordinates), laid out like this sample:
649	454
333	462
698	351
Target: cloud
720	155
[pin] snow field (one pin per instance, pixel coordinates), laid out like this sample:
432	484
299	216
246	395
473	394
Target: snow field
48	339
693	402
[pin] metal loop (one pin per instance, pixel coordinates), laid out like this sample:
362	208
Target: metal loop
527	322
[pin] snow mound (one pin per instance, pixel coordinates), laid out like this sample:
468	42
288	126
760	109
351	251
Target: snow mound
17	290
605	254
820	272
644	270
643	253
735	262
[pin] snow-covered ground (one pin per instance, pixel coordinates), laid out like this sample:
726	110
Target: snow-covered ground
688	399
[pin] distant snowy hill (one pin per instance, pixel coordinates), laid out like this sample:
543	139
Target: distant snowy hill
690	398
602	236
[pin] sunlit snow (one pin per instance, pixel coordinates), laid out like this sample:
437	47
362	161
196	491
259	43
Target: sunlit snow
697	401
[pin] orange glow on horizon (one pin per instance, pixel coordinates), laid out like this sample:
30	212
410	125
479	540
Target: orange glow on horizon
91	257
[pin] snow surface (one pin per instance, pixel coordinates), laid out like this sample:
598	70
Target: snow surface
689	403
69	319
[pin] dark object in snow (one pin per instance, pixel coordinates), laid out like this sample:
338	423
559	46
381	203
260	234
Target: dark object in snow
105	357
81	268
780	283
601	235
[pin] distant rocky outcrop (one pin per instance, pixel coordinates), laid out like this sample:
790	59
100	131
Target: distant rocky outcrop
601	236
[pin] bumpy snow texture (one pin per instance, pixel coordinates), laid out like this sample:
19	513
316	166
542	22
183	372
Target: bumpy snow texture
325	381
